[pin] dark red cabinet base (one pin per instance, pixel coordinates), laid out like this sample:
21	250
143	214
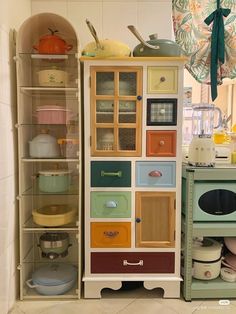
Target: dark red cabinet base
132	262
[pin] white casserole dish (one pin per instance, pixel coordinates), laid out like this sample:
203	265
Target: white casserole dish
53	279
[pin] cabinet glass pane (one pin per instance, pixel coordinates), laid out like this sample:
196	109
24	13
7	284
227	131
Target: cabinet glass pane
127	111
37	71
127	139
104	111
49	178
48	106
105	83
127	83
39	251
105	139
49	141
49	210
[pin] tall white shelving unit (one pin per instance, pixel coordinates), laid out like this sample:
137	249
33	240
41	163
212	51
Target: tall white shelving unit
32	95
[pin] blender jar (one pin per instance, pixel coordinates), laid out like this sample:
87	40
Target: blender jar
203	120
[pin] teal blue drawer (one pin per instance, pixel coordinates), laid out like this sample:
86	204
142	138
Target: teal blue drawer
155	174
110	204
110	173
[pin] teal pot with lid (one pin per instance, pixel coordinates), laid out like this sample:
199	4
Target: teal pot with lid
154	47
54	181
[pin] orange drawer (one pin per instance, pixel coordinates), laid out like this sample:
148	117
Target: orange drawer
161	143
110	234
132	262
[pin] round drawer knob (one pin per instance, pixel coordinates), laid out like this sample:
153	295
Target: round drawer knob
162	143
162	79
207	274
139	97
138	220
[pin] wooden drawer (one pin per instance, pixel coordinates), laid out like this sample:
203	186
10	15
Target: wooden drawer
132	262
110	204
110	173
110	234
161	111
161	143
162	80
155	174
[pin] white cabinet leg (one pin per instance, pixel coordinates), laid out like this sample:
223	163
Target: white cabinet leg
171	288
92	289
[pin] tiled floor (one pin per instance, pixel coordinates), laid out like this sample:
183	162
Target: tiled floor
135	301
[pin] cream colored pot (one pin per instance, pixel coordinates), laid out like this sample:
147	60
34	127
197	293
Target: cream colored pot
206	259
53	77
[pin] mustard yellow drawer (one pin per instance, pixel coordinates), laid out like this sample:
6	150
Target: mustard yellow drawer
110	234
162	80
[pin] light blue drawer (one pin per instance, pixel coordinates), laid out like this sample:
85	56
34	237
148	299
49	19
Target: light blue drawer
155	174
110	204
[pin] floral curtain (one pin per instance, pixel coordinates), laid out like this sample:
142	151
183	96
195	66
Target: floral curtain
206	32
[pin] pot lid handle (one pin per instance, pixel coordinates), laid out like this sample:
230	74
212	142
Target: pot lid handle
52	31
94	34
139	37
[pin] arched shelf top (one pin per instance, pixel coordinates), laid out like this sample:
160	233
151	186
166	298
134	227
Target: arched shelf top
38	25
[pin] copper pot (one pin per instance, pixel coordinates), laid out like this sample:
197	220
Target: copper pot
52	44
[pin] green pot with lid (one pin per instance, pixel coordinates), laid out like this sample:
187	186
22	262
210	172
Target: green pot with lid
54	181
154	47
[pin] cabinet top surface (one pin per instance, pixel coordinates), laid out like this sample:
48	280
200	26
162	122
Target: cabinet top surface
219	172
204	169
133	59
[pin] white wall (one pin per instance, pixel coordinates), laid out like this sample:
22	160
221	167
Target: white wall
11	16
110	18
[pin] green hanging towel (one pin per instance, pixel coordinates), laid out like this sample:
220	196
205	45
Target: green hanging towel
217	43
195	38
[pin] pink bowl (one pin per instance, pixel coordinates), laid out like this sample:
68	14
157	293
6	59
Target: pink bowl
53	115
230	243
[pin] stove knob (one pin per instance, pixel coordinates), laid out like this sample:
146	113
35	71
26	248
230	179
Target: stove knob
207	274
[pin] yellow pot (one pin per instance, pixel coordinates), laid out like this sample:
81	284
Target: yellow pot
54	215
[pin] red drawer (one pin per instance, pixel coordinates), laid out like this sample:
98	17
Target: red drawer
161	143
130	262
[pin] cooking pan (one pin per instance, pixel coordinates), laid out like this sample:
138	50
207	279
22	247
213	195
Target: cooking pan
105	47
154	47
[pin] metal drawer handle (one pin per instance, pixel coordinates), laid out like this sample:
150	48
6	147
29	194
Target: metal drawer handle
155	173
111	174
111	204
162	143
162	111
162	79
111	234
126	263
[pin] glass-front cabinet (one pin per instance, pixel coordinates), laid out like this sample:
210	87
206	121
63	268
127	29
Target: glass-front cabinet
49	161
116	104
132	179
